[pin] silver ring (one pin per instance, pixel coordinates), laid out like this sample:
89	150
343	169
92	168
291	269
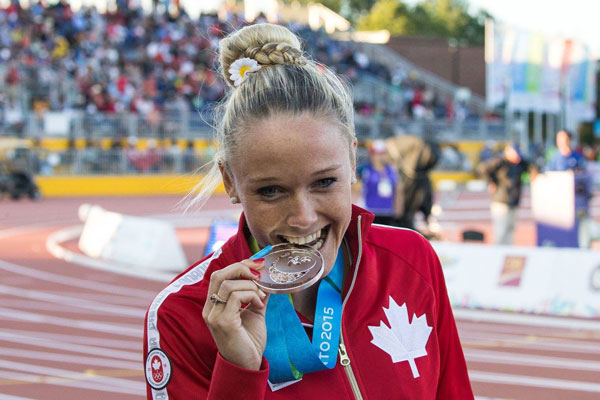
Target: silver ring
216	299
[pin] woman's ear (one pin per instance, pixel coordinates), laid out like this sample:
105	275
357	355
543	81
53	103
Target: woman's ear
353	157
227	180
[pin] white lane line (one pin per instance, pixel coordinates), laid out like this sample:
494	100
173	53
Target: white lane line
464	326
523	319
31	336
93	362
530	360
22	230
76	282
108	299
73	348
80	381
59	372
532	381
53	246
120	329
487	398
40	306
9	397
531	342
73	301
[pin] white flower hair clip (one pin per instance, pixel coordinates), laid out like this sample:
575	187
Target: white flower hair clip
240	68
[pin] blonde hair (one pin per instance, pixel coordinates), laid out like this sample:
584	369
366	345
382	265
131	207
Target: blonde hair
287	83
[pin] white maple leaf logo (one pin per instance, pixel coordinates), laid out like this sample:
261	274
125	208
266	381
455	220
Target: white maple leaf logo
156	364
403	340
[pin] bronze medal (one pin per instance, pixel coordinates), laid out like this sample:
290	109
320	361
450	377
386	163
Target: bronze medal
289	268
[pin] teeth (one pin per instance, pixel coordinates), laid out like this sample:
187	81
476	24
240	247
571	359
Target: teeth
304	239
317	245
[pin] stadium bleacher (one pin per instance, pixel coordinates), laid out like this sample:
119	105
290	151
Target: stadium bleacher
83	87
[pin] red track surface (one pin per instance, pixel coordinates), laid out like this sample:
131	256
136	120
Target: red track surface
71	332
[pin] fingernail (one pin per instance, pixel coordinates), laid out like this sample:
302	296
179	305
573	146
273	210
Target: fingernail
258	260
262	294
255	272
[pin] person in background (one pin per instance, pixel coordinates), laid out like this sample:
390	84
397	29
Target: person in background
565	157
414	159
503	175
287	154
381	187
487	152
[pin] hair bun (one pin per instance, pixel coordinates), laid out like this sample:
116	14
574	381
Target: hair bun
268	44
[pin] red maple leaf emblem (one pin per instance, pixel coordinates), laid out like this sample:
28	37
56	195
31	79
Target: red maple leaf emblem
157	369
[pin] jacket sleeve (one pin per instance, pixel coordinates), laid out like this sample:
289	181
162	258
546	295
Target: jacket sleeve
197	369
228	380
487	170
454	379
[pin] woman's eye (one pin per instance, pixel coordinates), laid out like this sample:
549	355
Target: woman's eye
326	182
268	191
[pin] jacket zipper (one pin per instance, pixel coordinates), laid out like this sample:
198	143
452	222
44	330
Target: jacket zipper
344	359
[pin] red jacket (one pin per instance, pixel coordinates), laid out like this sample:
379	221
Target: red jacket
395	269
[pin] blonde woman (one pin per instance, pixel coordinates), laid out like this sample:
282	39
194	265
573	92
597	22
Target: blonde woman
377	325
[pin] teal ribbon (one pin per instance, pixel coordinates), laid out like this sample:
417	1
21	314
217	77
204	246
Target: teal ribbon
289	350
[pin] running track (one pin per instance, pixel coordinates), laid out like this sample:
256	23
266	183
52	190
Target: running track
73	332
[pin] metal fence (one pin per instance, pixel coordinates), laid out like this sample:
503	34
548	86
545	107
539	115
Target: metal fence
438	130
94	160
77	124
198	125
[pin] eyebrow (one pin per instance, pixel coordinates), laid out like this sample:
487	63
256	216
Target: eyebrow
316	173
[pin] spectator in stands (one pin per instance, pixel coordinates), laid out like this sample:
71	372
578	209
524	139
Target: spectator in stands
288	156
381	187
132	154
190	159
503	175
110	62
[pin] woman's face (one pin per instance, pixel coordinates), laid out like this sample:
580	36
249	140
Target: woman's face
293	175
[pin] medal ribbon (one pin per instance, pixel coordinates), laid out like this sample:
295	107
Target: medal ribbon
289	351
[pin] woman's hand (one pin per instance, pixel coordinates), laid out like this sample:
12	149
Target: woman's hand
238	323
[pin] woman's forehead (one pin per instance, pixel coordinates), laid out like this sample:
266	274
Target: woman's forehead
286	132
291	141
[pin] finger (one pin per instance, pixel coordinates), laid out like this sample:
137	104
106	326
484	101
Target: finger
254	264
265	301
240	270
236	299
245	269
224	316
228	287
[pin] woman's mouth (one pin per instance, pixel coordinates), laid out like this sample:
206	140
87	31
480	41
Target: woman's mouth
314	240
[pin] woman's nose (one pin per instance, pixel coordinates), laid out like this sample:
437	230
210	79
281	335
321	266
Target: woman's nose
302	212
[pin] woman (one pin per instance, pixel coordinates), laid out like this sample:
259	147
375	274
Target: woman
287	154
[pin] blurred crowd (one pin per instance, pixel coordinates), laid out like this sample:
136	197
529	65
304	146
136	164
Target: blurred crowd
161	64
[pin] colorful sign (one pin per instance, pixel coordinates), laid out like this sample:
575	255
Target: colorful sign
527	71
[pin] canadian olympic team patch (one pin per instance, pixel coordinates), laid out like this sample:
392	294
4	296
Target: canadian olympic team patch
158	369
